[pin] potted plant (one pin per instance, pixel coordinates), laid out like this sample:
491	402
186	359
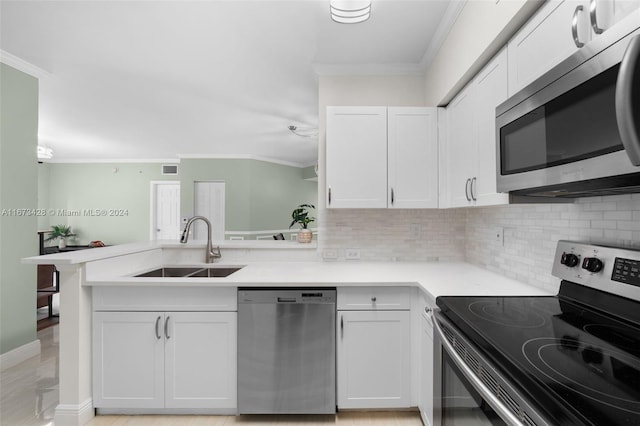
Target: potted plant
61	232
300	215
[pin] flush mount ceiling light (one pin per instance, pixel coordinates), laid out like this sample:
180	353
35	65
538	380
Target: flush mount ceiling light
350	11
44	153
307	132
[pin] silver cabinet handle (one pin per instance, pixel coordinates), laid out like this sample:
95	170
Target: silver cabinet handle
166	328
373	299
329	195
427	310
341	326
472	187
594	19
574	27
626	110
392	197
158	336
466	189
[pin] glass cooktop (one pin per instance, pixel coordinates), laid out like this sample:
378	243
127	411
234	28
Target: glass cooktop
577	364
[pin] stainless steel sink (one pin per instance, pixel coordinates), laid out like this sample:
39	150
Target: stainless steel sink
190	272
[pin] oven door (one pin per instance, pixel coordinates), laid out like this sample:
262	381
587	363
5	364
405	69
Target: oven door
460	396
581	126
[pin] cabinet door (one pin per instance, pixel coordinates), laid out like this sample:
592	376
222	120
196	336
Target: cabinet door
490	90
426	371
373	359
356	157
545	40
461	162
412	158
623	8
128	360
200	353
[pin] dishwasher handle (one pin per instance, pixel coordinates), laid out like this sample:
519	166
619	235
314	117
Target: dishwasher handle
287	300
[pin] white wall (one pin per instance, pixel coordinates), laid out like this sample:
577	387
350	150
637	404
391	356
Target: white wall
481	29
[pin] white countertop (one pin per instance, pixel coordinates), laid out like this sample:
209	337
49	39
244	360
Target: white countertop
437	278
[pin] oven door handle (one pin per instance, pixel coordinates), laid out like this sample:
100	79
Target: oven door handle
504	413
627	118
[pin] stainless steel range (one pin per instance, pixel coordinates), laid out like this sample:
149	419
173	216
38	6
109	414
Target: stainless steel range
569	359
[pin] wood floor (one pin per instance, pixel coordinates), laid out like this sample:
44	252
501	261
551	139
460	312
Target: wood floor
29	396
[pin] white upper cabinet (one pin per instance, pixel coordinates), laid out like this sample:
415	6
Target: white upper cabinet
412	158
458	162
490	90
546	39
379	157
558	29
468	140
356	157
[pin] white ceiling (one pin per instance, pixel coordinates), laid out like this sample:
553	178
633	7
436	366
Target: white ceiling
164	79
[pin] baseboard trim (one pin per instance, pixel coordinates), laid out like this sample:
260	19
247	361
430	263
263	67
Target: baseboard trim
74	415
168	411
19	354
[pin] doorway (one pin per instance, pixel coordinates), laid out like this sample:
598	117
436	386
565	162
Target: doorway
209	201
165	210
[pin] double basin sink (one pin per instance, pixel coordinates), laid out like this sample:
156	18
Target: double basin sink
190	272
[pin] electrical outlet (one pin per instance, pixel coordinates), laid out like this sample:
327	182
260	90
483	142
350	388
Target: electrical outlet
330	254
414	230
499	235
352	254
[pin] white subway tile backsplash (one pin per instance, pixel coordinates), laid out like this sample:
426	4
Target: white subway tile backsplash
530	233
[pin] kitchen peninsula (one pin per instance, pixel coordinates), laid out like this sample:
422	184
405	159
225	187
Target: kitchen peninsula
110	270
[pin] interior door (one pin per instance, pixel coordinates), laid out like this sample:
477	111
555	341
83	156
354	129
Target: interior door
209	201
165	216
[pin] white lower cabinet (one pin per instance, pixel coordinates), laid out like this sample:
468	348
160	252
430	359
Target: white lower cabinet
374	359
164	360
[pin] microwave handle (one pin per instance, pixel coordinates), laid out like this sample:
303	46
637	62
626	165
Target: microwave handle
627	118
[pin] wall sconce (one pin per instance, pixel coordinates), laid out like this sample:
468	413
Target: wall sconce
350	11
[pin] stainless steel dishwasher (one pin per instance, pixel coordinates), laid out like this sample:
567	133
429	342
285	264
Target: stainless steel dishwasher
286	351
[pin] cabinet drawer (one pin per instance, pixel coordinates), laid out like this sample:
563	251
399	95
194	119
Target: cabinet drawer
200	299
374	298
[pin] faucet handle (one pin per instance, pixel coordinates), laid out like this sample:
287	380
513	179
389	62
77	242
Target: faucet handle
216	254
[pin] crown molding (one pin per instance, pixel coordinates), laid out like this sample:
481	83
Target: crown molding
440	35
242	157
22	65
367	69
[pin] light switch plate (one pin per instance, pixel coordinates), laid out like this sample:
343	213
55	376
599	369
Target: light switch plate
352	254
330	254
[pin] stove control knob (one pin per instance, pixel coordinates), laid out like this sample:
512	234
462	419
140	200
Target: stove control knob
569	259
592	264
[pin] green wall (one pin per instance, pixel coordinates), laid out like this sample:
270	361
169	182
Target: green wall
18	190
275	192
259	195
75	192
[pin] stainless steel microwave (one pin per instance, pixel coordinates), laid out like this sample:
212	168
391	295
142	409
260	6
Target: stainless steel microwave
574	131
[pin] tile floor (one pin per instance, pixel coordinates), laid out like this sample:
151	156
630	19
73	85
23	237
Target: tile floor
29	390
29	395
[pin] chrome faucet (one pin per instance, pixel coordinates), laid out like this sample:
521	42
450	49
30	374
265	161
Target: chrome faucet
211	255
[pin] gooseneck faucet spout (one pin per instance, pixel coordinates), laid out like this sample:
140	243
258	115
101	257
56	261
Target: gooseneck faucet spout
211	255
